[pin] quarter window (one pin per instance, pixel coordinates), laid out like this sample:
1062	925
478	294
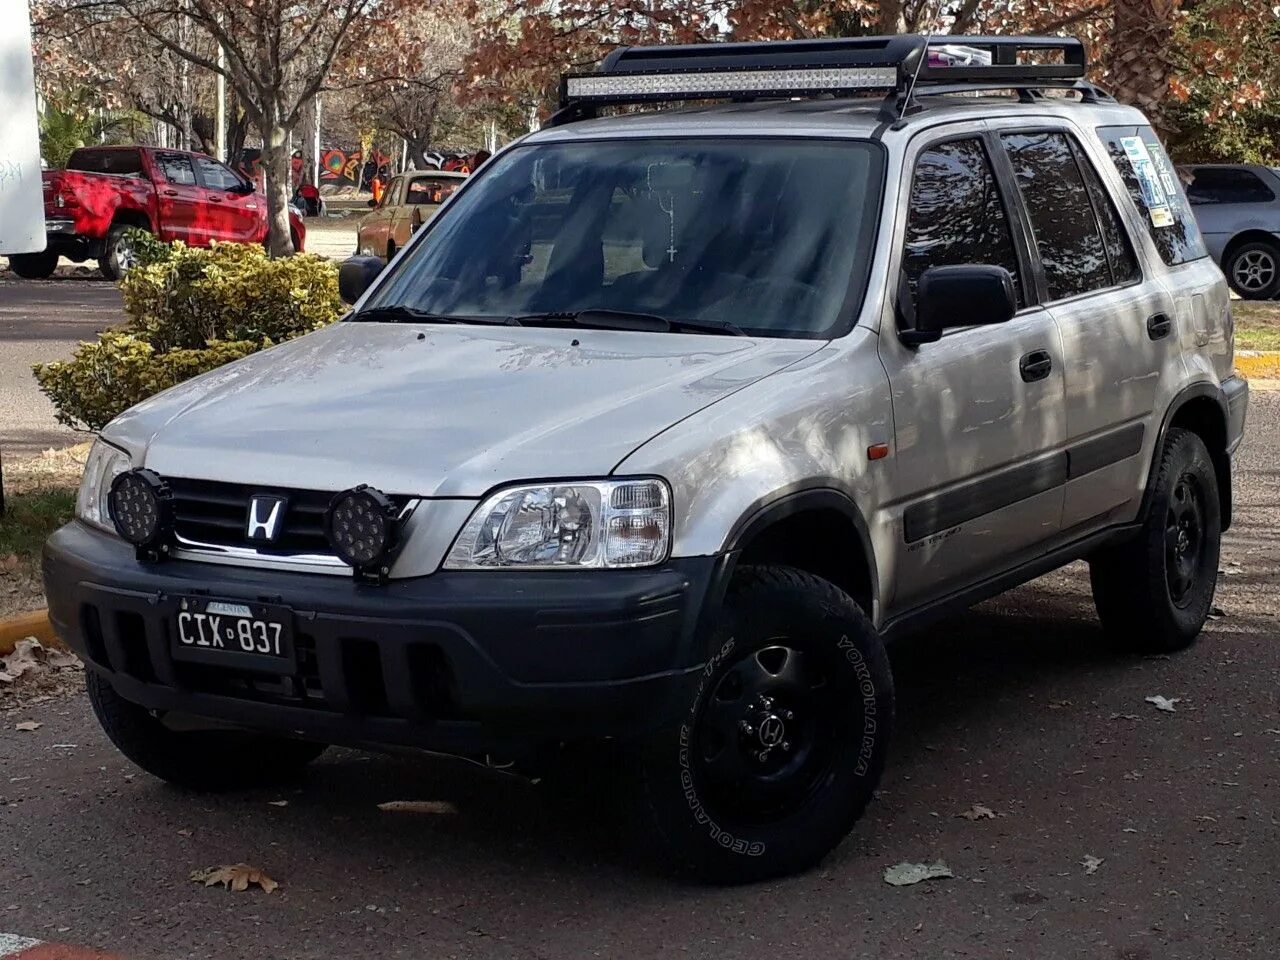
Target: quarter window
1124	266
1154	189
1057	201
956	214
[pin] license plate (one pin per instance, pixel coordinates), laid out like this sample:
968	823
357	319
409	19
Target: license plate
254	636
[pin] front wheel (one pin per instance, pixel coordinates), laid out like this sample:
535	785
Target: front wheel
1154	592
34	266
205	760
784	740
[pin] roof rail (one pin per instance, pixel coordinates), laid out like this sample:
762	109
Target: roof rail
893	66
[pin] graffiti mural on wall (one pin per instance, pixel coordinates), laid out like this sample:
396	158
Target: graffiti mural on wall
350	168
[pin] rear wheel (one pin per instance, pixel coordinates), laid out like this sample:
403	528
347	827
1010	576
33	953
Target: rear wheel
1253	269
119	254
34	266
785	738
1153	593
204	760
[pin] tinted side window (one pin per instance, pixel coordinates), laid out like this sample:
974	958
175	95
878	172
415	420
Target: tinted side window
1227	185
1057	202
1124	265
177	169
1154	188
956	214
215	175
125	163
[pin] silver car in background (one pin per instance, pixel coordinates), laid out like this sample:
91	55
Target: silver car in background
1238	209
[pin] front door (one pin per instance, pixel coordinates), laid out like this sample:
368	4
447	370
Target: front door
236	213
978	415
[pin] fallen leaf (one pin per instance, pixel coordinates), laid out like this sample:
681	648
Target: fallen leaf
184	833
277	803
1125	716
236	877
906	874
417	806
1128	830
1091	863
1163	703
1059	704
26	726
979	812
1216	613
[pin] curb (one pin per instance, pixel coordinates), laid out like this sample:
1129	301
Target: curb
1259	364
34	624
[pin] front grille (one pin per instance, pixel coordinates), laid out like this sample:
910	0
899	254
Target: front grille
218	513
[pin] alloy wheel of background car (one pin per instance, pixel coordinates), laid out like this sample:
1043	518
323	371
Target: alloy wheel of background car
1254	271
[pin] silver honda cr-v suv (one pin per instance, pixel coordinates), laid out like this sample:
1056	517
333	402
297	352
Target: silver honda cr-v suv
666	425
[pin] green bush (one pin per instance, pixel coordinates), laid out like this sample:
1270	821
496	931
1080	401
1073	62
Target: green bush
190	310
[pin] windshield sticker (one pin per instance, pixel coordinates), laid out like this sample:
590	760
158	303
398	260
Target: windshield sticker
1153	192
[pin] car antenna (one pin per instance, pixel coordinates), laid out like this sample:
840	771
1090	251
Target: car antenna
924	55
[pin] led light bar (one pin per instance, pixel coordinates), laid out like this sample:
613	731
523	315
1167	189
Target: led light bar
722	83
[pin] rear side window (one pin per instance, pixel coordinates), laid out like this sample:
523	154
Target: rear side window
123	163
1154	189
177	169
1124	265
1057	201
1226	185
956	214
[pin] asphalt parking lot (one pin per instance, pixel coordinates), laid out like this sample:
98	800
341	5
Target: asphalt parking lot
1119	831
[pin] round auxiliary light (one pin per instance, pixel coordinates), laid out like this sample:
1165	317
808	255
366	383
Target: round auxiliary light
141	507
362	526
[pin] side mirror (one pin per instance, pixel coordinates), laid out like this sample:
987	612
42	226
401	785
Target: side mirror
964	295
371	202
355	276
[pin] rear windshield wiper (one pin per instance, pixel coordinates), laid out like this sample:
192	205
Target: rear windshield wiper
625	320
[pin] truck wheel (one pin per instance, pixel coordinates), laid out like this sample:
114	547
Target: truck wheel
34	266
784	740
205	760
118	254
1253	270
1154	592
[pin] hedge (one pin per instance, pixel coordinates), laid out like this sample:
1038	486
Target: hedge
189	310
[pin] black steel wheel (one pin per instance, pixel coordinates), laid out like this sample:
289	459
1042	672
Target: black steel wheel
1153	593
784	740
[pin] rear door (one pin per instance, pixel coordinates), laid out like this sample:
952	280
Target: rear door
235	213
1118	330
978	415
180	198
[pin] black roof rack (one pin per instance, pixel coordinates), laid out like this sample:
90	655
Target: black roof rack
894	66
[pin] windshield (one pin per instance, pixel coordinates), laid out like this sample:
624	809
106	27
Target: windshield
769	236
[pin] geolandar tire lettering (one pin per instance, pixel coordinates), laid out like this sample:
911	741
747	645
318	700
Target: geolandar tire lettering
784	739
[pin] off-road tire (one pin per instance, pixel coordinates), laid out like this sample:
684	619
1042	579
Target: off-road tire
1144	603
110	264
1253	270
34	266
705	829
197	760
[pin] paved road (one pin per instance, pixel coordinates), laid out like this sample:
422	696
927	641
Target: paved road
41	321
1015	706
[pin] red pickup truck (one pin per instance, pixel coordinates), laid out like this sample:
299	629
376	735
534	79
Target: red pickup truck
174	194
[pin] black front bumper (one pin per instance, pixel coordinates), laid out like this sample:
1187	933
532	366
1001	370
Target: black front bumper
458	662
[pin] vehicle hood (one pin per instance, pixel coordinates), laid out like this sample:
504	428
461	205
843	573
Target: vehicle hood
435	410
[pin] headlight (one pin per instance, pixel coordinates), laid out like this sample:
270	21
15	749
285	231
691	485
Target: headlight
595	523
105	463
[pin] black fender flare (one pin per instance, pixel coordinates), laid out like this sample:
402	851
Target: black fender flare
1221	459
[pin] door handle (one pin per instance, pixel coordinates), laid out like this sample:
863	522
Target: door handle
214	199
1036	365
1158	326
170	193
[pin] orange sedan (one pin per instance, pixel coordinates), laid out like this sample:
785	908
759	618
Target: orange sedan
409	201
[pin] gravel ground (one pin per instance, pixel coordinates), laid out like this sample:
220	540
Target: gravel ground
1015	706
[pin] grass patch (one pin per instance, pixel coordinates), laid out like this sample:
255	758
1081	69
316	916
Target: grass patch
29	518
1257	324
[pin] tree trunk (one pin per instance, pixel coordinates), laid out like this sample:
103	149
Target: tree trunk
1139	63
275	165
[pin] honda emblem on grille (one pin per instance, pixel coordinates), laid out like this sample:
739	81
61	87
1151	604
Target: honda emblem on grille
266	515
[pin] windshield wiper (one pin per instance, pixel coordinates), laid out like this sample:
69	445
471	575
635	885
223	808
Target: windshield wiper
600	319
399	313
